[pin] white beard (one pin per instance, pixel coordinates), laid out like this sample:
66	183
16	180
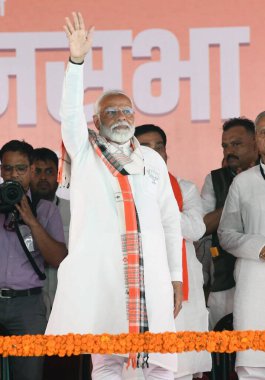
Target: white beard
119	136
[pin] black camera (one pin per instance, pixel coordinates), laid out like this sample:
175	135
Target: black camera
11	193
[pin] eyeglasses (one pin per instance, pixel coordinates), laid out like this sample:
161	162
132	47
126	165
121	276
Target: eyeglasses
112	112
19	168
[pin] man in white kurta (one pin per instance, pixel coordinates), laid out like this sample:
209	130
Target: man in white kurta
242	232
194	314
91	294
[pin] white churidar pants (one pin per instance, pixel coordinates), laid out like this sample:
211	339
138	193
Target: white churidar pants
250	373
109	367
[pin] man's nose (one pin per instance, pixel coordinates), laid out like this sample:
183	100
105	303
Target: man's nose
43	175
121	115
229	150
14	173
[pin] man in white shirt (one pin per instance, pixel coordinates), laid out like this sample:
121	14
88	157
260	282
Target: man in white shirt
242	232
125	237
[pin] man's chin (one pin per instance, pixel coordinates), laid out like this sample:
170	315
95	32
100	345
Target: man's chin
121	140
44	190
45	194
234	167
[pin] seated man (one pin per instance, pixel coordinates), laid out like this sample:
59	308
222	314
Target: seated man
22	310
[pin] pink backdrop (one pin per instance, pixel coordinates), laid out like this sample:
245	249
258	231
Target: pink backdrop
187	65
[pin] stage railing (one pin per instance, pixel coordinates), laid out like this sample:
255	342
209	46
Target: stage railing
168	342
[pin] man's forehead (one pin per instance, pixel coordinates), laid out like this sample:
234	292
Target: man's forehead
150	137
115	100
44	164
235	132
261	123
14	155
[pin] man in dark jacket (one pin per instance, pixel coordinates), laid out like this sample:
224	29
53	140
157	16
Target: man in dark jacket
240	153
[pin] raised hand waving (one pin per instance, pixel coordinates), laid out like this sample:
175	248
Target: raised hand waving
80	39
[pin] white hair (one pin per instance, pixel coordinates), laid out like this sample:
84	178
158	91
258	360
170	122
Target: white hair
260	116
104	95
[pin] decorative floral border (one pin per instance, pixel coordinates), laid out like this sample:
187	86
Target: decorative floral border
76	344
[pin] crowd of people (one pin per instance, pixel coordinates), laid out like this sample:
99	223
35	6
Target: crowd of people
141	249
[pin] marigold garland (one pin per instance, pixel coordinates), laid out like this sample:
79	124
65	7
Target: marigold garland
76	344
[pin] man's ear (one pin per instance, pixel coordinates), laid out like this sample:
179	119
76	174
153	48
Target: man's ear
96	121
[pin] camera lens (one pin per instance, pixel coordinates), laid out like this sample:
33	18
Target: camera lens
12	192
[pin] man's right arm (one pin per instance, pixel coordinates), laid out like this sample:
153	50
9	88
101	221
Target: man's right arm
212	220
74	126
212	217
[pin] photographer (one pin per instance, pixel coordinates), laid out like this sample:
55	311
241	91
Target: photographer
22	310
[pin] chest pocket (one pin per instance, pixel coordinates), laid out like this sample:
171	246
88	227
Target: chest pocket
151	181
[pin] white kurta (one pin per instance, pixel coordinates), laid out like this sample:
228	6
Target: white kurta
242	232
91	295
193	315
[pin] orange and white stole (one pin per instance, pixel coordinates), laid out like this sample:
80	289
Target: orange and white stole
121	166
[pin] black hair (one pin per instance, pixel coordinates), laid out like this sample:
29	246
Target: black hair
239	122
17	146
45	154
145	128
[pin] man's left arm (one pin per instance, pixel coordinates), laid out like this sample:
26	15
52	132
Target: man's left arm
53	250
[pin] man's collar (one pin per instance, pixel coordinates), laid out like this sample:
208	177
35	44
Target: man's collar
125	148
262	164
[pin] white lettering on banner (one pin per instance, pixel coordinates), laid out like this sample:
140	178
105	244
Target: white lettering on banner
23	66
2	7
229	40
110	77
168	70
